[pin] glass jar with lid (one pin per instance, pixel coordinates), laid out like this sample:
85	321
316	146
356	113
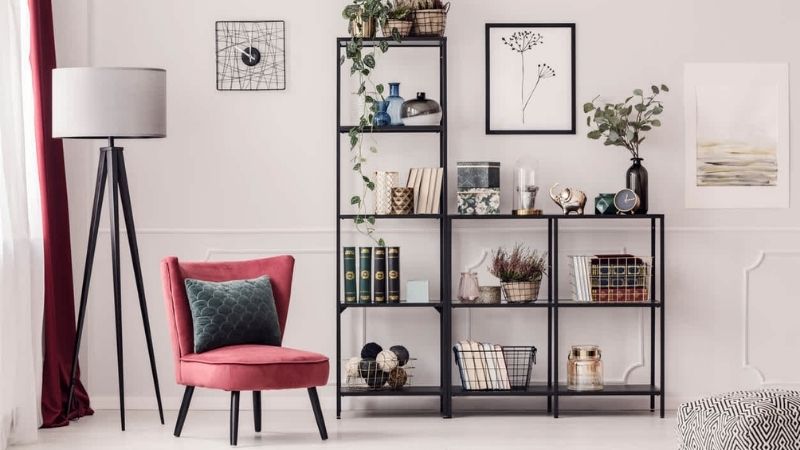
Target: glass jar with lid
584	368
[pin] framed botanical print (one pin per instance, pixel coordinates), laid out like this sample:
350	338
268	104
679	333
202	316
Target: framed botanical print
250	55
530	78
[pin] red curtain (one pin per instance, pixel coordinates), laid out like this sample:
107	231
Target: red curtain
59	306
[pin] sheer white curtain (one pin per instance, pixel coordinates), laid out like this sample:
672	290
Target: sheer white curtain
21	266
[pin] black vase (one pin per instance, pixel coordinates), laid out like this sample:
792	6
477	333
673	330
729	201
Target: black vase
636	180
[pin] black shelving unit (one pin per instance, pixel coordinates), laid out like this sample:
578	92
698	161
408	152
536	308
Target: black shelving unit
439	390
552	389
446	391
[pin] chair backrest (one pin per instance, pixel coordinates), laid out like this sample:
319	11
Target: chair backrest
179	316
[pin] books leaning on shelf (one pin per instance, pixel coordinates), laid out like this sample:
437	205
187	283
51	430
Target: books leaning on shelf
611	278
427	184
377	279
482	366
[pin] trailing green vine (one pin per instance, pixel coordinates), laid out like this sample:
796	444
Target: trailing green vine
362	64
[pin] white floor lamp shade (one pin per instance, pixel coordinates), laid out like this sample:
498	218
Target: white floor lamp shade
103	102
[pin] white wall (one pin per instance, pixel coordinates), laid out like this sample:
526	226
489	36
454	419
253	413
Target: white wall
246	174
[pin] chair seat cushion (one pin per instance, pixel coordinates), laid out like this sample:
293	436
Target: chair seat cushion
767	420
254	367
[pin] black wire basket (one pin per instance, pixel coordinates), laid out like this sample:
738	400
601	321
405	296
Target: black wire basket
495	368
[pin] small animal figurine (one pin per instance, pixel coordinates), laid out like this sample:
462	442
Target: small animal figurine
569	200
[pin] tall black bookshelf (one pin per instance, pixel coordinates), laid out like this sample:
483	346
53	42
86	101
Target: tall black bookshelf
436	307
555	304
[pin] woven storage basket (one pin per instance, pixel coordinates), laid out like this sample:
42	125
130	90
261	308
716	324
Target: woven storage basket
430	22
403	27
521	292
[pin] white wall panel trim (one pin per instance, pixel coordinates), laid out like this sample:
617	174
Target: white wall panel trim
763	378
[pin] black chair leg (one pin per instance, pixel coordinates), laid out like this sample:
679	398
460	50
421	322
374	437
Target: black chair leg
312	394
257	410
187	399
234	417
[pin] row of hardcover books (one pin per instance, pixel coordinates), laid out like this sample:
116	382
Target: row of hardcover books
482	366
611	278
378	277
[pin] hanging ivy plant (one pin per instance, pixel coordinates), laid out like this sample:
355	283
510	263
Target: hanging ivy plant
362	14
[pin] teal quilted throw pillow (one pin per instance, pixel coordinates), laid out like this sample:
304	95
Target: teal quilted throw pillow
232	312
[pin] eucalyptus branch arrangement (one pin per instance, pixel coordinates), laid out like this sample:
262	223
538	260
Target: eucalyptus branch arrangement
362	64
625	124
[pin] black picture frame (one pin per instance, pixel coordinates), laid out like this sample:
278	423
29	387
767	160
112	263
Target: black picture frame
573	105
279	84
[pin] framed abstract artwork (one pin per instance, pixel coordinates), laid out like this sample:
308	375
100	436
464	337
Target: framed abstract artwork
251	55
530	78
737	135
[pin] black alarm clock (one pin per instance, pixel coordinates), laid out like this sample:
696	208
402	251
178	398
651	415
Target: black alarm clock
626	201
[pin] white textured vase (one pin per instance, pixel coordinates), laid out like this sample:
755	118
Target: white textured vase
384	182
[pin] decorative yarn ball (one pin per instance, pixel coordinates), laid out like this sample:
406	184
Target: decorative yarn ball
387	360
397	378
367	368
402	354
378	379
371	350
351	367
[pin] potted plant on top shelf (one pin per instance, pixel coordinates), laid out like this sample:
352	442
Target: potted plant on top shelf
520	272
430	17
398	22
625	125
363	15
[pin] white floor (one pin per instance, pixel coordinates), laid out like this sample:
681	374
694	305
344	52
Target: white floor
297	430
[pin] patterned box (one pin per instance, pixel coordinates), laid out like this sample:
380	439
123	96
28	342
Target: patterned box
479	201
478	174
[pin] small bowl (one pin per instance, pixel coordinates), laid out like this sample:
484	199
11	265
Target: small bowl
489	294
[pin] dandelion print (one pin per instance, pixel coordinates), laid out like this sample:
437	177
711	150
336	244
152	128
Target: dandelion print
522	42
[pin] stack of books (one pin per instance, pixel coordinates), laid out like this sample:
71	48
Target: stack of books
427	184
377	279
482	366
611	278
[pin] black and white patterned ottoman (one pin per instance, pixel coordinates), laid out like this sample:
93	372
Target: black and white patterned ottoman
747	420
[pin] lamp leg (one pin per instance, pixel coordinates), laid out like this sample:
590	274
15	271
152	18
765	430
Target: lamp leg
127	211
115	263
97	207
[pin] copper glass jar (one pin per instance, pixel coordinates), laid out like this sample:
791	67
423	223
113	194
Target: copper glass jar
584	368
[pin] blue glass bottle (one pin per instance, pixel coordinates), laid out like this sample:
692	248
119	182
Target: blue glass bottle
381	117
395	103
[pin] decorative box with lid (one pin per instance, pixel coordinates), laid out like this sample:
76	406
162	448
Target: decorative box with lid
478	188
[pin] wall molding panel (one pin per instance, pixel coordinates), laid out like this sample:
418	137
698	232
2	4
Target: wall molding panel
764	378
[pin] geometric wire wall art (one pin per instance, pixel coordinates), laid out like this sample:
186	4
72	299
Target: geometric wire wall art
251	55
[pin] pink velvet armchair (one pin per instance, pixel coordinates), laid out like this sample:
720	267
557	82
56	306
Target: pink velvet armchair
239	367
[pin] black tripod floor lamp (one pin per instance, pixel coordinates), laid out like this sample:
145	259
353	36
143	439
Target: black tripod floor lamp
111	103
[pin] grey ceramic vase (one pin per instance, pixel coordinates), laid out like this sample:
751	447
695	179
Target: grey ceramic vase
421	111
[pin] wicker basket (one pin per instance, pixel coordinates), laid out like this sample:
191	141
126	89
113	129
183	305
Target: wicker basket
403	27
521	292
374	379
430	22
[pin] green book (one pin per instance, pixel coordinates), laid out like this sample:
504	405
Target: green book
379	274
365	275
393	272
350	294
